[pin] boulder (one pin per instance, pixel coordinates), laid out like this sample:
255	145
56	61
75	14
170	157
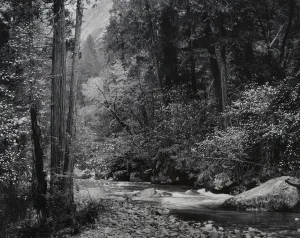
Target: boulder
156	195
147	193
274	195
191	192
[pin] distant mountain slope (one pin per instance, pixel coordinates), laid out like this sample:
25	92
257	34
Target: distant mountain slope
96	19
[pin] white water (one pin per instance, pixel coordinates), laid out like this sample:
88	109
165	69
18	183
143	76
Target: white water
194	205
182	198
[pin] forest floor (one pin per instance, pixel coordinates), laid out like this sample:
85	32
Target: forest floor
124	219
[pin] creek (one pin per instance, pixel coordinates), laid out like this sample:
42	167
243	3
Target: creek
196	206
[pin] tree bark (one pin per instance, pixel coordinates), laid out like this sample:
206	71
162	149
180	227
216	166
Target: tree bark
58	108
154	54
223	68
192	56
168	30
71	119
39	176
41	188
214	65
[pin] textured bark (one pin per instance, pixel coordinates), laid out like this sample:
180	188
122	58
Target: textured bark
39	182
71	119
58	108
41	188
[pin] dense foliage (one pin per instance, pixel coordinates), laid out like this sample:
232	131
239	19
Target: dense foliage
173	91
194	89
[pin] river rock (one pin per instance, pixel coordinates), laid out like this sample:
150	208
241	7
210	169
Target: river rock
147	193
165	194
274	195
108	230
191	192
208	227
156	195
214	234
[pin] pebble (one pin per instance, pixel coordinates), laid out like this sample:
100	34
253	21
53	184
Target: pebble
147	230
208	227
108	230
138	224
213	234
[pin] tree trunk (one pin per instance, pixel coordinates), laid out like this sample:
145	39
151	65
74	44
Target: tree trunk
41	188
39	182
154	54
71	119
224	79
215	70
168	31
223	68
58	109
191	47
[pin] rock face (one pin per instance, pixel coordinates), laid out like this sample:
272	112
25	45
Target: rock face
274	195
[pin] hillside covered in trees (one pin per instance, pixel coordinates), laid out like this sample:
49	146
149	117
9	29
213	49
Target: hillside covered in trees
185	92
190	90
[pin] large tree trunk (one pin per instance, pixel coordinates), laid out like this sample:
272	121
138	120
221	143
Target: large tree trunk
154	54
168	35
71	120
39	181
58	109
41	188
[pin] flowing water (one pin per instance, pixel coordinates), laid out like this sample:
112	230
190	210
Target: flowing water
197	206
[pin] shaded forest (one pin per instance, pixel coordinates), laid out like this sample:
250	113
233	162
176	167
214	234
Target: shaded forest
194	90
180	92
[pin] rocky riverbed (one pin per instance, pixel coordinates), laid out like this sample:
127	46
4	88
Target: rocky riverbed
124	219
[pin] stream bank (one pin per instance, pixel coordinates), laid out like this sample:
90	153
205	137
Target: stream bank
190	208
124	219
